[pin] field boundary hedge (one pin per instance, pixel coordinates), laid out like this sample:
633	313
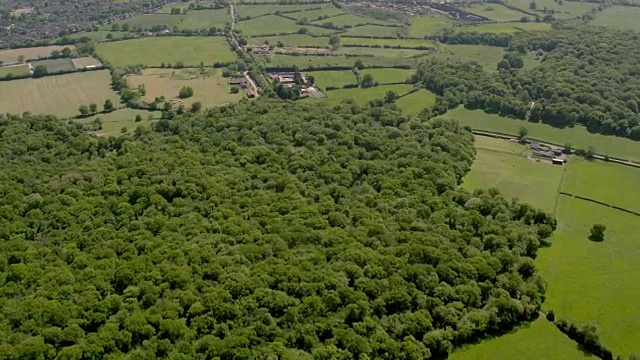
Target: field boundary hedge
599	203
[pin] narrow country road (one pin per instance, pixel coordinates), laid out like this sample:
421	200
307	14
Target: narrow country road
254	87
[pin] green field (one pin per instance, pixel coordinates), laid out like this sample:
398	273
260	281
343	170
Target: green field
603	181
498	28
55	65
292	40
18	70
619	17
311	15
98	36
422	26
416	102
537	340
333	78
487	56
495	12
373	31
310	62
563	10
149	20
362	96
349	20
113	122
382	52
181	6
408	43
157	50
505	165
577	136
59	95
266	25
595	281
205	19
385	76
252	11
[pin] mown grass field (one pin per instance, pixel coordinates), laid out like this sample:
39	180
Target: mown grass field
604	182
422	26
577	136
211	90
414	103
10	56
18	70
55	65
362	96
487	56
205	19
409	43
619	17
59	95
337	79
495	12
349	20
382	52
538	340
292	40
257	10
385	76
266	25
595	281
499	28
505	165
310	62
181	6
113	122
157	50
373	31
311	15
568	9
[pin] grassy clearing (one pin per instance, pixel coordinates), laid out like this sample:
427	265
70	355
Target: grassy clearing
487	56
495	12
385	76
181	6
292	40
568	9
595	281
505	166
604	182
205	19
211	89
417	101
55	65
113	122
373	31
11	56
422	26
154	51
619	17
270	24
537	340
18	70
577	136
362	96
500	28
337	79
408	43
148	21
350	20
59	95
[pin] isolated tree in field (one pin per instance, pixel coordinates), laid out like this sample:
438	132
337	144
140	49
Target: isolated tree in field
20	58
334	41
93	108
142	90
40	71
358	64
185	92
533	5
138	118
108	105
522	132
66	52
597	232
591	151
175	11
367	81
84	110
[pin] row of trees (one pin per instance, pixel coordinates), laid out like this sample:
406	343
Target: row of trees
86	110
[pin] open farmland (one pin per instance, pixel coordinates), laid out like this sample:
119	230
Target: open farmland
205	19
577	136
55	65
369	42
292	40
113	122
318	12
148	21
415	102
251	11
349	20
512	27
619	17
487	56
373	31
211	89
17	70
267	25
154	51
59	95
495	12
595	281
310	62
538	340
505	166
181	6
389	75
362	96
83	62
422	26
11	56
562	10
337	78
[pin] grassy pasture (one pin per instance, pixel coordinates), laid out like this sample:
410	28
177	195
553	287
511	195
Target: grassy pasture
408	43
505	165
292	40
385	76
311	15
422	26
17	70
154	51
351	20
539	339
568	9
149	20
487	56
83	62
578	136
500	28
181	6
204	19
257	10
607	182
98	36
619	17
595	281
372	31
270	24
55	65
113	122
362	96
211	90
11	56
495	12
59	95
381	52
313	62
333	78
414	103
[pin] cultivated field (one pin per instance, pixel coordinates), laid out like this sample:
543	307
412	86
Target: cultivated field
487	56
337	79
537	340
619	17
211	89
495	12
386	76
506	166
422	26
205	19
18	70
55	65
267	25
577	136
373	31
362	96
415	102
11	56
157	50
59	95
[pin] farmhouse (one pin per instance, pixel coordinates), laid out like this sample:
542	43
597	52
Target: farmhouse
241	81
287	79
260	49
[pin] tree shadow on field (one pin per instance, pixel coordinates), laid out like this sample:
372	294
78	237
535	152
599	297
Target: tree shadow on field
596	239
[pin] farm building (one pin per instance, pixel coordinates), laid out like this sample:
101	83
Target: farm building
260	49
241	81
287	79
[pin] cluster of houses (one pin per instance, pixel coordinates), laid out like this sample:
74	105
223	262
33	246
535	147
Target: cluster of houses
555	154
287	79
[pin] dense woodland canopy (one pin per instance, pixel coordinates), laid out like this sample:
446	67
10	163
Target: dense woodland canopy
256	230
587	75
